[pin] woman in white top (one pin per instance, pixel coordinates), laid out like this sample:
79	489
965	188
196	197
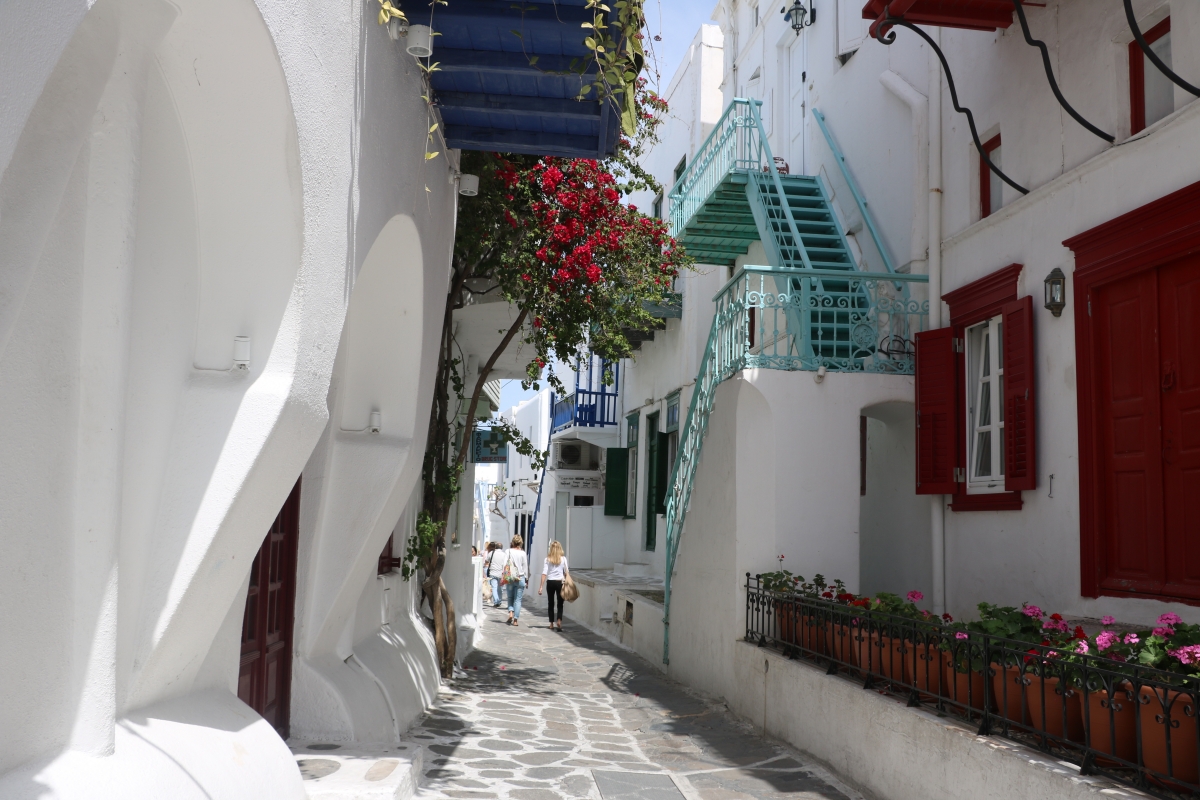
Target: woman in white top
520	570
553	574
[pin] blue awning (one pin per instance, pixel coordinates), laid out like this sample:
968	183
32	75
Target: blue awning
491	98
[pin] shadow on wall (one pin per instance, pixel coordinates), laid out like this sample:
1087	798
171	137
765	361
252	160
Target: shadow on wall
895	548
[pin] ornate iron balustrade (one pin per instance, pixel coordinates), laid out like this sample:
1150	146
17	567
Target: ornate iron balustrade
801	319
1130	723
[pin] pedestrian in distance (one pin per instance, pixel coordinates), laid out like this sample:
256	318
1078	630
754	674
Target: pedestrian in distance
516	571
554	572
493	567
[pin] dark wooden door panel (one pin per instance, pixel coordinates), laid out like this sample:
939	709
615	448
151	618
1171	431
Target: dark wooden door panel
1179	388
1128	436
264	675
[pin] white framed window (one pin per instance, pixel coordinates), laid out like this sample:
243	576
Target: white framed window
852	29
985	406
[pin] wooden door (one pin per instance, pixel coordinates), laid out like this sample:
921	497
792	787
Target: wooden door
264	677
1147	348
1126	349
1179	389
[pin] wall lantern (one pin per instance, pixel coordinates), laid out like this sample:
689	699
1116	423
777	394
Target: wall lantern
799	16
397	28
468	185
241	352
1056	292
376	422
420	41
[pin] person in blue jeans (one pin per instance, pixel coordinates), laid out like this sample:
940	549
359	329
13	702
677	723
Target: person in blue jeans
518	563
493	567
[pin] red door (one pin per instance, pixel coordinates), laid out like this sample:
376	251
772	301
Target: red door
1147	372
1179	383
264	678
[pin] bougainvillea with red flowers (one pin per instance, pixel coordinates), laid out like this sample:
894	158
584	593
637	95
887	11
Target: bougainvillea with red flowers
577	265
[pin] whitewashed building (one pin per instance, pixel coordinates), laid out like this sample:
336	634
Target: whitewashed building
223	268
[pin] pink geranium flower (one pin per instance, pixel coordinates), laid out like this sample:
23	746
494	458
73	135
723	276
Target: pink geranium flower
1131	638
1031	611
1164	632
1169	619
961	635
1106	639
1082	647
914	596
1107	620
1187	655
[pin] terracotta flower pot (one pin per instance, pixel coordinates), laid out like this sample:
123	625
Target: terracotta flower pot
883	655
1008	691
837	641
1112	724
967	689
1154	706
928	665
811	632
785	623
1047	699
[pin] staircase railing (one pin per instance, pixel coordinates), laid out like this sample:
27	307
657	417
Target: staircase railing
738	142
847	322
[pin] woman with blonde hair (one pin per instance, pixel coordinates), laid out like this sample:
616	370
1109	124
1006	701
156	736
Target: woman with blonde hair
516	571
554	572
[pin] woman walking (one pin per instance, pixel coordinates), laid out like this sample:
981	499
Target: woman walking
518	564
553	574
494	569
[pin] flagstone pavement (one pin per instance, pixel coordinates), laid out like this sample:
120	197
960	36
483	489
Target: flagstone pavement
540	715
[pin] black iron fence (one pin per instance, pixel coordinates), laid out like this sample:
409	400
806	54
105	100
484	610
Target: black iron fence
1131	723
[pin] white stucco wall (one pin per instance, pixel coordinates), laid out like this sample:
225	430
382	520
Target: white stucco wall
173	176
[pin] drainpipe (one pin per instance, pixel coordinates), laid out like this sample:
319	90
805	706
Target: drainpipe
937	502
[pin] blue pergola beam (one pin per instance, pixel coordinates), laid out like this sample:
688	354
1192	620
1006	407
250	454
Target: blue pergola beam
503	63
528	142
520	106
510	14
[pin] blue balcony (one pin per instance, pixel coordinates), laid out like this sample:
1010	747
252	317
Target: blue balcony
593	404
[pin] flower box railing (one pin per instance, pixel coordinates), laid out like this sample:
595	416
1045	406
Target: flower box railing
805	319
1128	722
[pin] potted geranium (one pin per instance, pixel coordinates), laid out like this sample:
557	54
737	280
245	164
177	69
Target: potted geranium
1172	646
1110	708
782	585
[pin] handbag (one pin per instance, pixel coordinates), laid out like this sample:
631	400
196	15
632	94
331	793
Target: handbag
510	574
570	592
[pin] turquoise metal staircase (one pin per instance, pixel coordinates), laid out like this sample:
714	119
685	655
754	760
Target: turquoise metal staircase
810	309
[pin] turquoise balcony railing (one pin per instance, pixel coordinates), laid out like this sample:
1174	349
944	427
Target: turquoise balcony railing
795	319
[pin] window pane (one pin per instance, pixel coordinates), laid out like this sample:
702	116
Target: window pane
1159	92
987	356
995	184
983	454
985	405
1000	394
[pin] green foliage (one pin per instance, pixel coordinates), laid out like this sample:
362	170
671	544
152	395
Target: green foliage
421	545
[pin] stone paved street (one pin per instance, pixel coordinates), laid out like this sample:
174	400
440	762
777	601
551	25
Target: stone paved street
541	715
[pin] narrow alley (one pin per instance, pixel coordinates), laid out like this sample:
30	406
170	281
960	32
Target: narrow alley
541	715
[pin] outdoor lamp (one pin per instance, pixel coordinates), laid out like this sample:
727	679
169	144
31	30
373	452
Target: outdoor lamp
397	28
798	15
468	185
241	352
1056	292
420	43
376	422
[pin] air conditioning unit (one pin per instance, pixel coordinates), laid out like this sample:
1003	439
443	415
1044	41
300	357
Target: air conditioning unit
574	454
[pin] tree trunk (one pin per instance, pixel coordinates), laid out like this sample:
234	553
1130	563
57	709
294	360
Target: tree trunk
441	468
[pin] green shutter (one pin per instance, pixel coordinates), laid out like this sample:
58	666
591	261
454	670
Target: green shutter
616	473
662	473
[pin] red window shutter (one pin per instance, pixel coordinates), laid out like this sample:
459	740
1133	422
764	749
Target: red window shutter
937	409
1020	465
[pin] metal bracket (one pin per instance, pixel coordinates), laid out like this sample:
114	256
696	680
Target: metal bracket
1150	54
890	36
960	475
1062	101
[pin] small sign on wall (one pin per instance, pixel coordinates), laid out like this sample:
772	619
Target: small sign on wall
489	447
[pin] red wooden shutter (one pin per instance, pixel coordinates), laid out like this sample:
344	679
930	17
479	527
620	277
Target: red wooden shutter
937	407
1020	422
